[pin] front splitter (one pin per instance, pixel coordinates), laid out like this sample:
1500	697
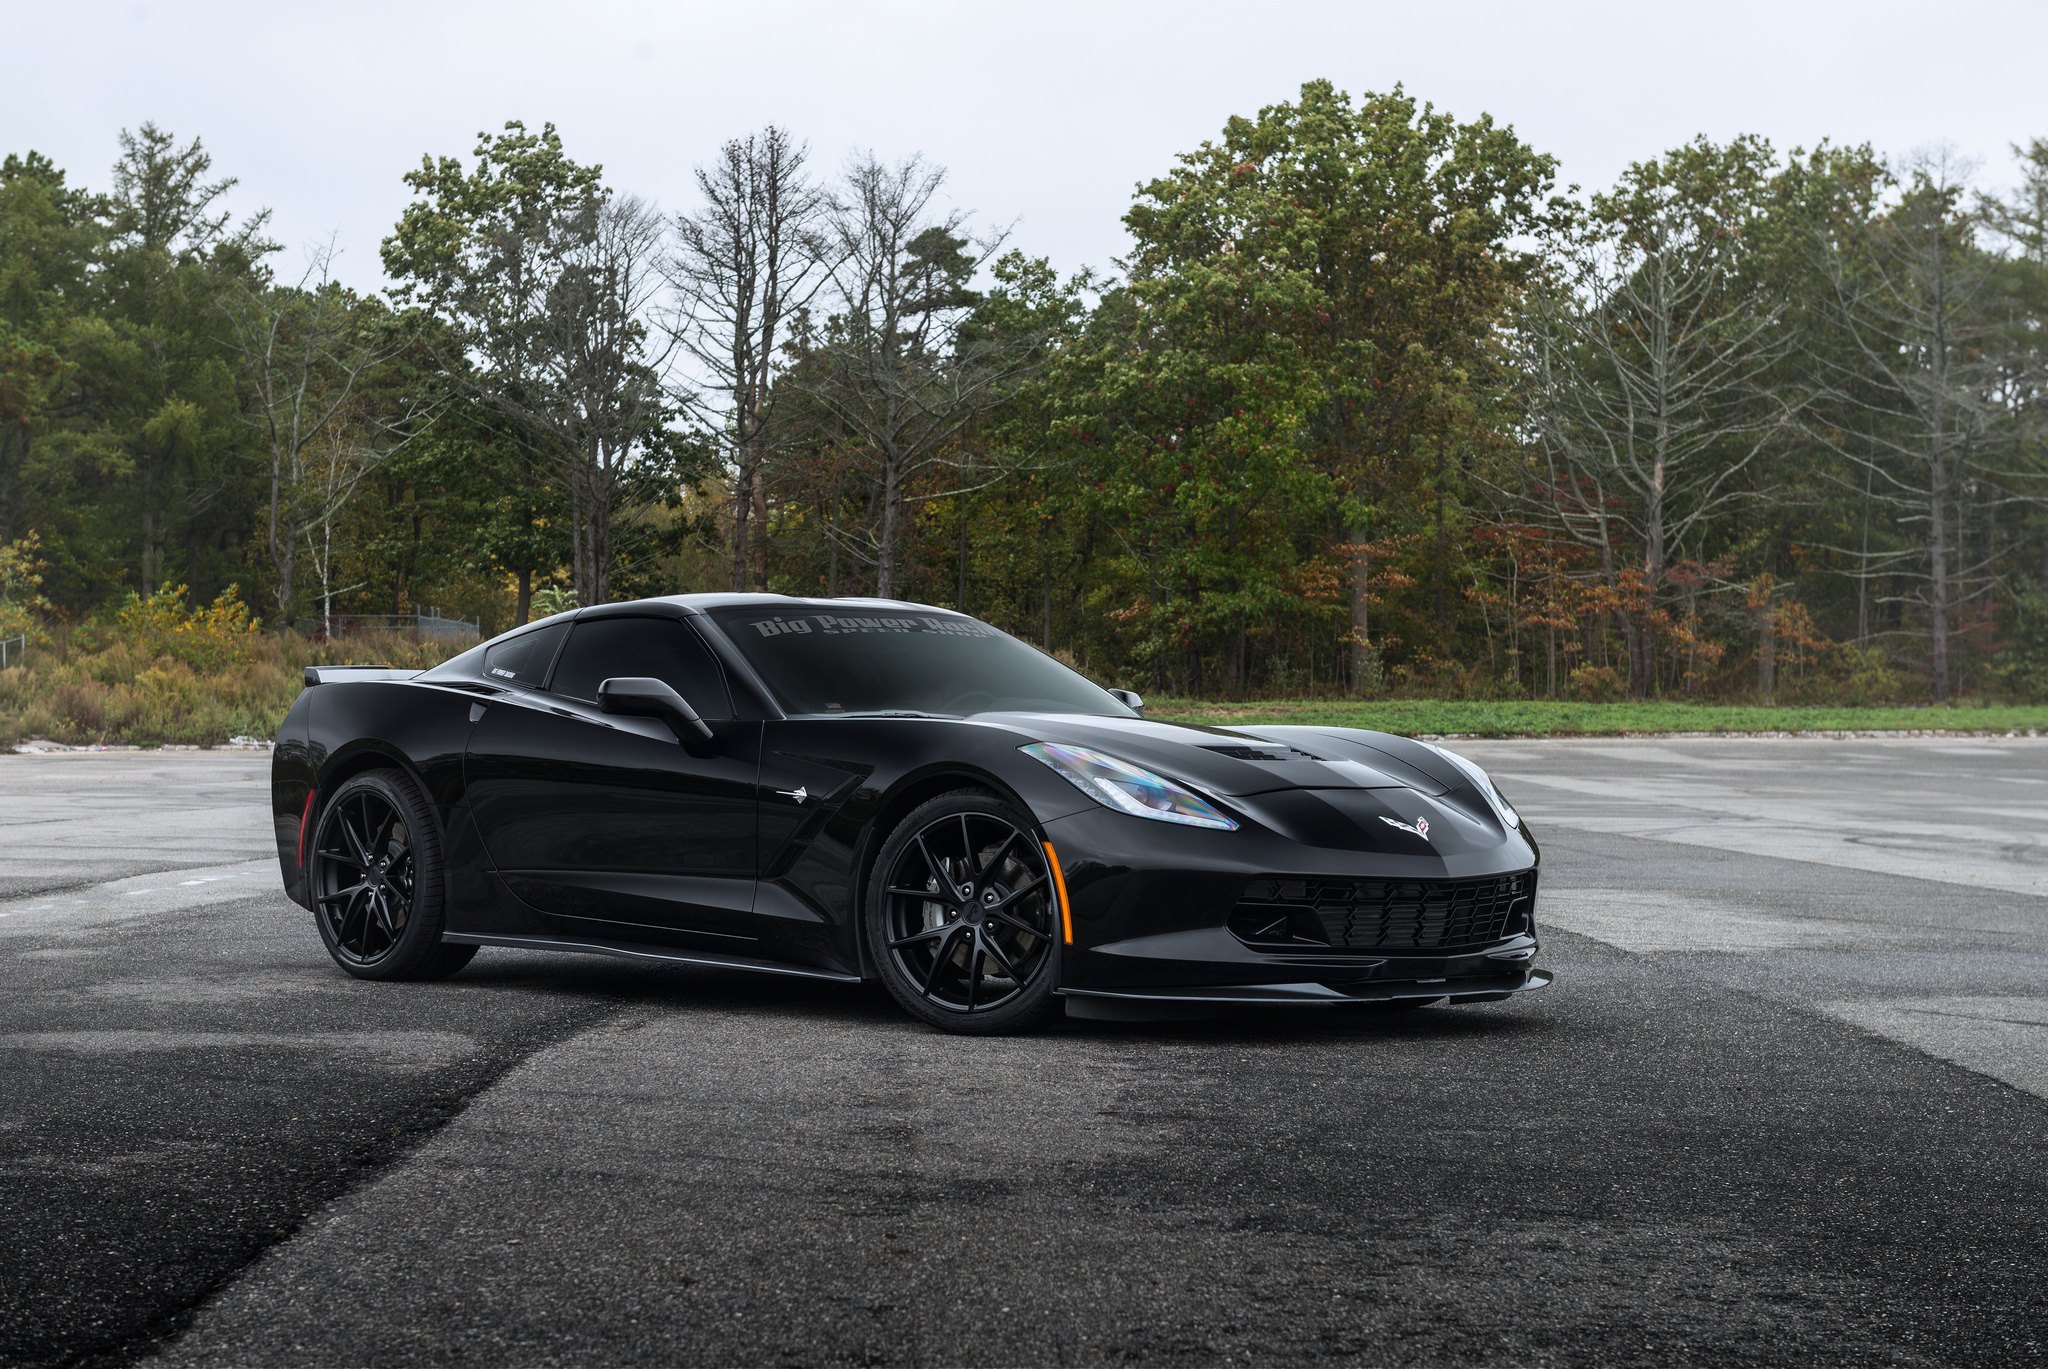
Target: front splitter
1121	1005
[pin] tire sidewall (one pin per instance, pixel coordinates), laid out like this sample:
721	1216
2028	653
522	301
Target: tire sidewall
1039	1001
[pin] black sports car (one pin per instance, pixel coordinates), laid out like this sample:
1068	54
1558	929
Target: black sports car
862	789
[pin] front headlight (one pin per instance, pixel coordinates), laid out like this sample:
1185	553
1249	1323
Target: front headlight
1124	787
1483	783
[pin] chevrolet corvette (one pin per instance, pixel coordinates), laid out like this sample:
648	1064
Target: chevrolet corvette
866	790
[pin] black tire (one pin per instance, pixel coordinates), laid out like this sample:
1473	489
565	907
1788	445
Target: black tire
962	922
378	883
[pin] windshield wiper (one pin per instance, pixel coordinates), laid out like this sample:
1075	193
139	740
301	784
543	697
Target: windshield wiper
888	713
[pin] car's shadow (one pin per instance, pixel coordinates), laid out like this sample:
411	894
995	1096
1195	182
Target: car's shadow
689	988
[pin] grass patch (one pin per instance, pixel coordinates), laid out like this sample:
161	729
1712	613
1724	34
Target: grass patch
1558	718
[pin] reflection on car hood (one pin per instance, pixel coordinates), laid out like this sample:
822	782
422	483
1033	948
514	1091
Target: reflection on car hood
1236	761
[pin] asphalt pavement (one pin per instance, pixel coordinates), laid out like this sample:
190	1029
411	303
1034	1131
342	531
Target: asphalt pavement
1787	1102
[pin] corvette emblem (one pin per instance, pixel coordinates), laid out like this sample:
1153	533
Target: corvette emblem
799	794
1420	827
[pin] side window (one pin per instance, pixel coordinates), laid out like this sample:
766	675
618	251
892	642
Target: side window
603	648
524	660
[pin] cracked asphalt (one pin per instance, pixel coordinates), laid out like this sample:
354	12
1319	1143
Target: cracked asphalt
1788	1102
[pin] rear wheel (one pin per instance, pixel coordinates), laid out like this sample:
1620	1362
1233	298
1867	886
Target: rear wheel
962	920
377	878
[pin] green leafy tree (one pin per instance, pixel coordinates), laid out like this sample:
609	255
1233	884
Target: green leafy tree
1403	229
544	279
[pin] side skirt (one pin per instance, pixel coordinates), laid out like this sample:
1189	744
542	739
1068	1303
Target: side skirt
706	958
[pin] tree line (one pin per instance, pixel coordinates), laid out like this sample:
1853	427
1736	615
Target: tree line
1371	405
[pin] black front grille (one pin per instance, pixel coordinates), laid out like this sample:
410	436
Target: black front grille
1284	913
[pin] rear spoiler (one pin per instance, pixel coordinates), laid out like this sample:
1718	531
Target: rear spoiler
344	674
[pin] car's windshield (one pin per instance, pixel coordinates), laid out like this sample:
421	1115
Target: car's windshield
862	660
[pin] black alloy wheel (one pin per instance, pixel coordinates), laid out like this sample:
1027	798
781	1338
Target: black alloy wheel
375	877
963	917
364	877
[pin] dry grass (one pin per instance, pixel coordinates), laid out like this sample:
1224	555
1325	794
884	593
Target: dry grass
88	689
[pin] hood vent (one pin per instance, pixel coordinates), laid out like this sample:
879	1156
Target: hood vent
1275	752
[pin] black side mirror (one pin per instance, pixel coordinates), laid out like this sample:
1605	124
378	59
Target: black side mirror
1129	699
642	696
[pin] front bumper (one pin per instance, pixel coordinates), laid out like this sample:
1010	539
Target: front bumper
1152	903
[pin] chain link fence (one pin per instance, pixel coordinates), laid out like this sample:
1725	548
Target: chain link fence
429	623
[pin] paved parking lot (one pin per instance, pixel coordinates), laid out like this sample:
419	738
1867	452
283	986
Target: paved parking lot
1787	1102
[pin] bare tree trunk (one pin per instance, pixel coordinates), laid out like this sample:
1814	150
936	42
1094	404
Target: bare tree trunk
1439	566
960	586
280	559
892	514
1364	659
1767	651
152	556
1863	555
1642	665
1938	573
742	509
760	535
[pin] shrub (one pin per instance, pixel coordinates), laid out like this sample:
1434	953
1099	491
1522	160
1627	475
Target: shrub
549	600
21	607
1600	684
161	625
1853	676
155	670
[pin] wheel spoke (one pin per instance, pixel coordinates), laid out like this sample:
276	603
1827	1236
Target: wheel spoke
925	895
361	852
1002	961
1015	923
995	859
968	864
347	857
384	839
941	958
357	906
928	934
1029	886
940	872
355	888
974	970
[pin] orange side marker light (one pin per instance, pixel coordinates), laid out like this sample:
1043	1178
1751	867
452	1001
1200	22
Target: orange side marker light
1059	884
304	814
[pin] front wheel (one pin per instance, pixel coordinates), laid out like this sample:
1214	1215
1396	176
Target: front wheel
962	919
376	879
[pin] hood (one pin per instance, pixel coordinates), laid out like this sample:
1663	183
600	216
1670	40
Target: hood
1235	762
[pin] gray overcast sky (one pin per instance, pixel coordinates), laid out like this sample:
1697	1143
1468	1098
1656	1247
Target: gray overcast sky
1046	114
